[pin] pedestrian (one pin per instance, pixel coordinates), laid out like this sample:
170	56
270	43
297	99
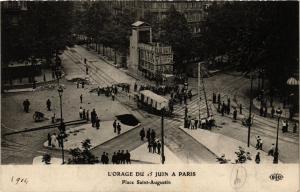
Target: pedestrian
261	110
83	114
142	134
97	122
119	128
214	98
122	157
77	84
118	157
81	98
113	95
265	112
241	108
257	158
257	142
103	158
153	134
49	140
98	91
272	150
84	60
295	128
234	114
26	105
148	134
219	98
114	158
87	115
154	145
228	105
80	112
272	112
158	147
223	108
284	126
82	84
149	146
115	126
48	103
53	140
86	70
127	157
93	117
106	158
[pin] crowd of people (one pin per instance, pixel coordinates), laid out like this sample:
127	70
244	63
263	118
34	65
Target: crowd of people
119	157
154	145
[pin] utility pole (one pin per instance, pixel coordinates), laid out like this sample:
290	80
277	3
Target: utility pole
250	108
162	137
199	97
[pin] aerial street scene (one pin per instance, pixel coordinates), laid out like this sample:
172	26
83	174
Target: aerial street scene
149	82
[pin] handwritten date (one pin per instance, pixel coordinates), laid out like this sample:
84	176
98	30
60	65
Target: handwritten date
19	180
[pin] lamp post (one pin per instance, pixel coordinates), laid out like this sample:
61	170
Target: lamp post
276	154
62	129
162	137
250	109
186	108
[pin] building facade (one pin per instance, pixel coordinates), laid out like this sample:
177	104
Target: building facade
152	59
194	11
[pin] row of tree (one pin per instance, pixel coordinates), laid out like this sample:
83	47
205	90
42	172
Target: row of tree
255	36
40	32
100	26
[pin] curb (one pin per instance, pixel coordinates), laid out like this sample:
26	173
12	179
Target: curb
47	147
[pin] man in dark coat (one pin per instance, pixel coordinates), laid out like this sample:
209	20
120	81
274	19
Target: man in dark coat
81	98
48	103
127	157
49	140
234	114
158	147
142	134
103	158
122	156
149	146
148	135
26	104
93	117
115	126
114	158
154	145
119	128
118	157
153	134
97	123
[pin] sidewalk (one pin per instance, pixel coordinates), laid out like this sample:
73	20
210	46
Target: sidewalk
220	144
142	154
97	137
54	161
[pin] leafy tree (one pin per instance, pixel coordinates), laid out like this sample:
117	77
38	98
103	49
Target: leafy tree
83	156
176	33
254	35
41	31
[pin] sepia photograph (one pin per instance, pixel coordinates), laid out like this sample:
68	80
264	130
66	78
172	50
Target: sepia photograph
139	83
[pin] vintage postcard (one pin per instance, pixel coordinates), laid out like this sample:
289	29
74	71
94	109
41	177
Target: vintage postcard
140	95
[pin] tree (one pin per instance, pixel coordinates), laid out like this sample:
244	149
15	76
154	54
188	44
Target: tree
258	36
41	31
176	33
83	156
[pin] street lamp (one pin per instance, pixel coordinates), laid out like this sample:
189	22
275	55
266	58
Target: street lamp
276	154
162	137
250	109
62	126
